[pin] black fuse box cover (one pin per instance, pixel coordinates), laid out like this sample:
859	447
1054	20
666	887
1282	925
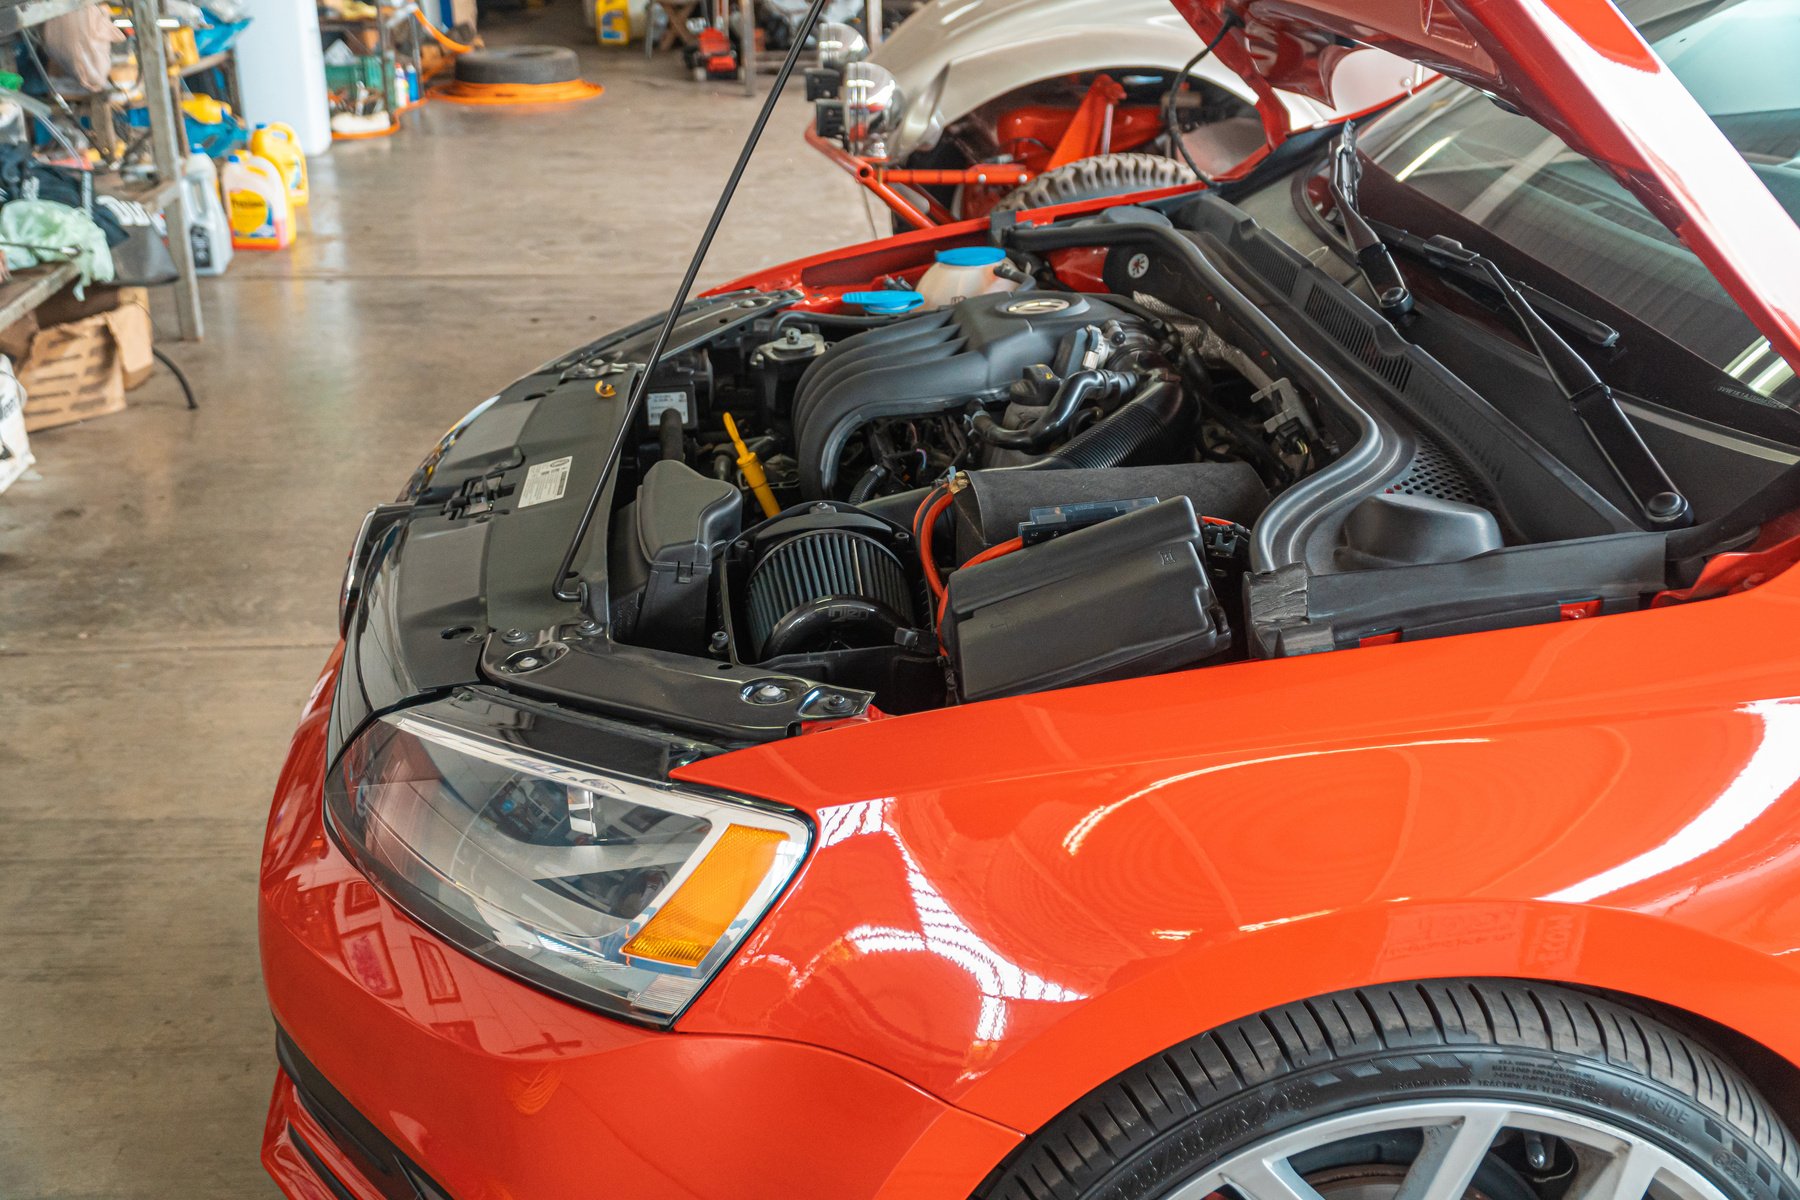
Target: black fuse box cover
1127	597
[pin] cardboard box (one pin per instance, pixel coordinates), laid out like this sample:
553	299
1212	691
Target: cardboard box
82	369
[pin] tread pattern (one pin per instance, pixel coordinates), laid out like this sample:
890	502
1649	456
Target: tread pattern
1101	175
1369	1034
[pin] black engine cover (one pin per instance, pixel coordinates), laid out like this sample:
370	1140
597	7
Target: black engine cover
932	363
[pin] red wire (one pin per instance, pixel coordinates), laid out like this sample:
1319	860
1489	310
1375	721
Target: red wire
932	578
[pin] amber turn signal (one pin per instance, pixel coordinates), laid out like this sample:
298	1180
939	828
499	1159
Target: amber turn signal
703	907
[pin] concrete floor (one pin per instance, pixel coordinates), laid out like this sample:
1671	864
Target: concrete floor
168	580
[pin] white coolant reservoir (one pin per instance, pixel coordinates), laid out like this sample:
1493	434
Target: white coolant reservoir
964	272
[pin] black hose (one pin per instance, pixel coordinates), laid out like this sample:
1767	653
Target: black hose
1154	415
865	487
187	389
800	316
669	436
1076	393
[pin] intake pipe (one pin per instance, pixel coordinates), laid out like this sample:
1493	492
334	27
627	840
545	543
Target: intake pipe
1076	393
1159	413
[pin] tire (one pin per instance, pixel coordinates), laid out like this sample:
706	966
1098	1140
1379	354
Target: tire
1319	1085
519	64
1093	178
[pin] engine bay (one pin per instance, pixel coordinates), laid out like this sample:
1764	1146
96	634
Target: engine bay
1041	487
1022	490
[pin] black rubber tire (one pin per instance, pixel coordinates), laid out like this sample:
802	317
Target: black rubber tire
1166	1120
1093	178
519	64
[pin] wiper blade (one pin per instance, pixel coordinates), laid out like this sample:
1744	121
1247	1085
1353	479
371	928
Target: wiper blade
1593	402
1373	258
1589	329
1612	432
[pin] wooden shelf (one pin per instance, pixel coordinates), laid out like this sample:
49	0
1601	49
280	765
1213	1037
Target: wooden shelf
204	64
24	292
23	14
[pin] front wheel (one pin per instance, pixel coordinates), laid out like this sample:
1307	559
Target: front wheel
1456	1090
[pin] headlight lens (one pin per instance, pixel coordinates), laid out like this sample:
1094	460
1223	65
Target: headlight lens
421	476
873	106
840	45
618	893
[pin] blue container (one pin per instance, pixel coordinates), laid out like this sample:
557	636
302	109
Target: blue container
214	141
884	304
214	38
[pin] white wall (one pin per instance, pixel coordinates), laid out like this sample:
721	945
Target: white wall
282	71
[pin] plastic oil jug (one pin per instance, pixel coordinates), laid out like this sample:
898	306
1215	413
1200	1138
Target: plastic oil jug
280	145
208	231
612	22
256	204
964	272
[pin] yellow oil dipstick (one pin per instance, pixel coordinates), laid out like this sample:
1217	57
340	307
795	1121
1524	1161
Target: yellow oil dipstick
751	466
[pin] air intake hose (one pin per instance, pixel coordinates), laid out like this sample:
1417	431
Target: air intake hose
1076	393
1159	412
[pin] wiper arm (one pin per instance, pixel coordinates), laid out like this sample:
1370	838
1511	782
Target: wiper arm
1373	259
1612	432
1589	329
1588	395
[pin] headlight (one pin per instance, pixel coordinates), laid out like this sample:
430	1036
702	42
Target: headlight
840	45
421	477
618	893
873	105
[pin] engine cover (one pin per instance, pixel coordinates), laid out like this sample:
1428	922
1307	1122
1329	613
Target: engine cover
932	363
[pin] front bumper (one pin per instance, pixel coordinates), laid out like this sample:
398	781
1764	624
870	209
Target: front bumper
421	1068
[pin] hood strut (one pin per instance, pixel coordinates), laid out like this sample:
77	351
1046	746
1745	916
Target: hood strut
562	586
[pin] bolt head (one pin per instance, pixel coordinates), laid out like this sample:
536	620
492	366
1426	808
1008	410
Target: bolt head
515	637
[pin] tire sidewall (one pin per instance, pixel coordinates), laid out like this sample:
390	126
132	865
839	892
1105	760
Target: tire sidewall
1517	1075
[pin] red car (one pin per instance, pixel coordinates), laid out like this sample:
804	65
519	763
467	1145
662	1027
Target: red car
1283	690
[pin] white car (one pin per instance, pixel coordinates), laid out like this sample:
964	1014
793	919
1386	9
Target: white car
976	104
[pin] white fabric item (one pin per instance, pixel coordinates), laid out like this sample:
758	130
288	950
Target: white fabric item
79	44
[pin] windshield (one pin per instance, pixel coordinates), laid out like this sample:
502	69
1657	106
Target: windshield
1505	173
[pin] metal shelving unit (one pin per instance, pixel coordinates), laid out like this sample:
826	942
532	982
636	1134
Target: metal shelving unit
28	289
388	19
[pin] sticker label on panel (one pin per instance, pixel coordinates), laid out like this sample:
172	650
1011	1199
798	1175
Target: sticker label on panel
656	403
545	482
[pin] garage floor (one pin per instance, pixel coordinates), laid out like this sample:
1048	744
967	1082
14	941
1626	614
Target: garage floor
168	582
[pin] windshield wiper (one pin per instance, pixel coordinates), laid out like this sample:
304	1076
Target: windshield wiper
1593	402
1589	329
1372	242
1612	432
1373	258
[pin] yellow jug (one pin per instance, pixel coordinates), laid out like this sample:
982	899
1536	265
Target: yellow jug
279	144
612	22
256	204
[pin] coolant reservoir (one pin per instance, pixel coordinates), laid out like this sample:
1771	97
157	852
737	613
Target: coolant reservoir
964	272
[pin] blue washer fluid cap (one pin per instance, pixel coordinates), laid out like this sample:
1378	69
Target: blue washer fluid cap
885	304
972	256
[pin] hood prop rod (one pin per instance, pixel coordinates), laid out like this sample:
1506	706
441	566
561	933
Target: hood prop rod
560	587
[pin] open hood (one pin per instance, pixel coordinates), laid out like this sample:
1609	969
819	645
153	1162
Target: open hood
1580	69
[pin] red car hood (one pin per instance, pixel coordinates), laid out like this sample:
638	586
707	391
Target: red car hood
1581	70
